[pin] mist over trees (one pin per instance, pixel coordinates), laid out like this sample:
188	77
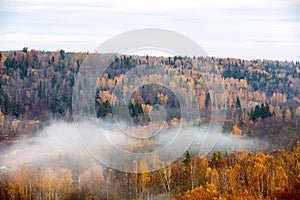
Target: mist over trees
37	86
240	175
262	100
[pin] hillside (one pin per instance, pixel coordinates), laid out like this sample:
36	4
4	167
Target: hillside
37	86
256	157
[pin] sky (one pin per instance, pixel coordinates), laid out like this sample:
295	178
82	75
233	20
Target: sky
246	29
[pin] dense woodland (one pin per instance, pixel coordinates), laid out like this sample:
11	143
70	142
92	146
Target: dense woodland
261	98
37	86
240	175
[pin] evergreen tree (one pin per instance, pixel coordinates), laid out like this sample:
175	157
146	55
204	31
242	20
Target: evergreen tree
207	100
40	90
238	102
187	158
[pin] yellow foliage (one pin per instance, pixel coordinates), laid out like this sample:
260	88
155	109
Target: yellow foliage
211	189
162	98
1	118
175	121
145	178
104	96
195	194
236	130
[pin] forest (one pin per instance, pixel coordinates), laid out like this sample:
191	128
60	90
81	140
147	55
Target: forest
37	86
239	175
260	99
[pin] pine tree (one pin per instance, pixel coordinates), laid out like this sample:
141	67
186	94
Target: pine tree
238	102
207	100
187	158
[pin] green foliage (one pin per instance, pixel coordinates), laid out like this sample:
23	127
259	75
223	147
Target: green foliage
49	78
260	111
40	90
5	103
241	123
224	129
200	124
248	132
25	49
238	102
62	54
187	158
216	156
135	109
207	99
103	109
270	83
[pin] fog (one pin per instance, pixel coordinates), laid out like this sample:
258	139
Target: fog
80	145
57	142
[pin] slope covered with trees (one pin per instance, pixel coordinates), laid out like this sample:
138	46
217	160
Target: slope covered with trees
261	99
240	175
37	86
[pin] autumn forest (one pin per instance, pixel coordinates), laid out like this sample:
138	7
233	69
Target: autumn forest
259	98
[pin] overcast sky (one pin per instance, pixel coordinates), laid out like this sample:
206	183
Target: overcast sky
226	28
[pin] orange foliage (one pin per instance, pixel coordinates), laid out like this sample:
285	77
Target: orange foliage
236	130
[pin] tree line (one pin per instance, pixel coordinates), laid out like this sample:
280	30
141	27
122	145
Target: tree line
239	175
38	85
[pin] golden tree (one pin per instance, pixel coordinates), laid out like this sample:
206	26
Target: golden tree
236	130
